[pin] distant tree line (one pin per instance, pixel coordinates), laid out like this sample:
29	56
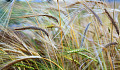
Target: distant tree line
35	0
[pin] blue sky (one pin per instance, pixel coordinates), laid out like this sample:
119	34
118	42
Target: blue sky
113	0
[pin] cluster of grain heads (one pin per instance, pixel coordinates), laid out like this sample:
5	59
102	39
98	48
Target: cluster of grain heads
18	44
15	43
100	21
22	58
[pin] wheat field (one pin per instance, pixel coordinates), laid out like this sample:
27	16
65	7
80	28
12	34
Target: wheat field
81	35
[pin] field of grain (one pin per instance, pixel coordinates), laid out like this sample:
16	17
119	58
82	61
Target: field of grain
81	35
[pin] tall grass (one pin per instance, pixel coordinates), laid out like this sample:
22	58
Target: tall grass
59	36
